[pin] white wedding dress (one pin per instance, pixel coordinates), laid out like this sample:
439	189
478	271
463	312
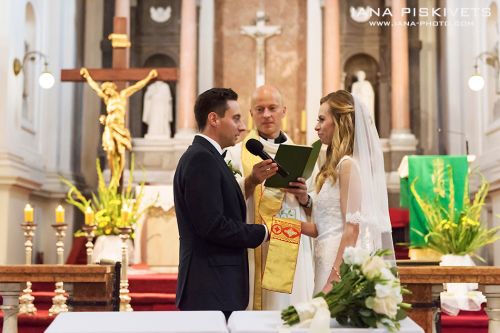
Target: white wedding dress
365	201
327	216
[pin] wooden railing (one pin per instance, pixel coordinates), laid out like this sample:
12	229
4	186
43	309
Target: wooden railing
86	285
426	282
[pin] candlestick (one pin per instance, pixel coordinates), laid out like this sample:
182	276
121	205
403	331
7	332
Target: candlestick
26	299
28	213
124	292
89	232
59	300
59	214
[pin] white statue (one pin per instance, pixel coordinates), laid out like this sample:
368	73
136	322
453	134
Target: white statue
364	91
158	112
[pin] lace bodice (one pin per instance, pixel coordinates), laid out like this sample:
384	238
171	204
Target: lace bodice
326	212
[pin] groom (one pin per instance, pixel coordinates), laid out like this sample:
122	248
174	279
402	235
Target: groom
211	210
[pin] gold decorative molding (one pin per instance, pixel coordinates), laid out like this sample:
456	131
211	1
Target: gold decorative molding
119	40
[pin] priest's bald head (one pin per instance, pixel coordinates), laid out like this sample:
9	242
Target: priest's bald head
267	111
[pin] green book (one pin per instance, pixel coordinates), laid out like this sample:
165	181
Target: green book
298	160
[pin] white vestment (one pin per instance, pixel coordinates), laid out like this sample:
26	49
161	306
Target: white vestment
158	110
303	283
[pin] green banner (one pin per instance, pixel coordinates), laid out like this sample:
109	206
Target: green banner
432	180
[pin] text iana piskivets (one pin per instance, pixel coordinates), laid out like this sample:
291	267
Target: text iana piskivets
425	12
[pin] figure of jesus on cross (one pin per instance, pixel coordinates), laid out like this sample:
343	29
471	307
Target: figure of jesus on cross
116	136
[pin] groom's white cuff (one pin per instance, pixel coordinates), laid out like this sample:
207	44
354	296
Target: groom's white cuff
266	235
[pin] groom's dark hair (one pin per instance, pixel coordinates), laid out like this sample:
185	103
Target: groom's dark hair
212	100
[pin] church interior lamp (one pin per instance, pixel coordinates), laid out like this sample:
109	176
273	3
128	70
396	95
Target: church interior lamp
46	79
476	81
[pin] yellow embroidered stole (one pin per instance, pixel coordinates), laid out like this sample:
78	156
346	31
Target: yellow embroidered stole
283	248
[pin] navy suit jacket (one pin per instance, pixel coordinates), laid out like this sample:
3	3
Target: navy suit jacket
211	212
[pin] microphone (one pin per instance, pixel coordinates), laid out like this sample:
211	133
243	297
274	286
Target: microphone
257	149
440	130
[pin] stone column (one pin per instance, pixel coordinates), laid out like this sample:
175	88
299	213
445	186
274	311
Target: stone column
401	136
206	43
314	72
331	51
187	70
402	142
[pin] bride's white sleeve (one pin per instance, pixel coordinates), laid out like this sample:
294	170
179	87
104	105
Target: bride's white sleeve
350	191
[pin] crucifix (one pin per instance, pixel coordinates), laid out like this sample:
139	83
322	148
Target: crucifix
116	136
260	32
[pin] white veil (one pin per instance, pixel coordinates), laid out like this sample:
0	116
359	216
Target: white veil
367	198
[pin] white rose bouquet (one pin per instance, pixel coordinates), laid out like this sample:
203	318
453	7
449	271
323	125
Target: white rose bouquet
368	295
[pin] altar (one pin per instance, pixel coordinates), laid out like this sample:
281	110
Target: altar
270	322
193	322
140	322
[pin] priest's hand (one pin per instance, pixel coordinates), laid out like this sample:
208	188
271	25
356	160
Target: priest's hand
299	189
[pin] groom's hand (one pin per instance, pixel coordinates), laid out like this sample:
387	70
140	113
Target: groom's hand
262	171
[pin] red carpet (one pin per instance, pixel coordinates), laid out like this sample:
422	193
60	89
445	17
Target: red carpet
465	322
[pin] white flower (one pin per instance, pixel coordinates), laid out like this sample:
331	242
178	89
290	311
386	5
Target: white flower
389	290
386	306
355	256
383	290
372	266
386	274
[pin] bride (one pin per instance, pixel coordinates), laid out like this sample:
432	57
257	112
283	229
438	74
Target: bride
350	204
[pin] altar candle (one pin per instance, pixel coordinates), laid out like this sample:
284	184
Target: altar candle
89	216
284	123
59	214
250	123
125	214
28	214
303	121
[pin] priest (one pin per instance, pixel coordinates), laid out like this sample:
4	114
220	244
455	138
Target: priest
267	290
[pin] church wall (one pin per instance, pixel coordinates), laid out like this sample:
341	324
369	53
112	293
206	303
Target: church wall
235	54
428	134
469	112
36	150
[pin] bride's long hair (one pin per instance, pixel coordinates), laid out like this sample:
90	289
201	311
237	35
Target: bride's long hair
341	109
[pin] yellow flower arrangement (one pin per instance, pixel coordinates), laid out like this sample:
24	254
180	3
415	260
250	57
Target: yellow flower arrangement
109	203
452	231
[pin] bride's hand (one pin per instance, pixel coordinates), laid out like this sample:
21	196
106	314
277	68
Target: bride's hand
326	289
299	189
